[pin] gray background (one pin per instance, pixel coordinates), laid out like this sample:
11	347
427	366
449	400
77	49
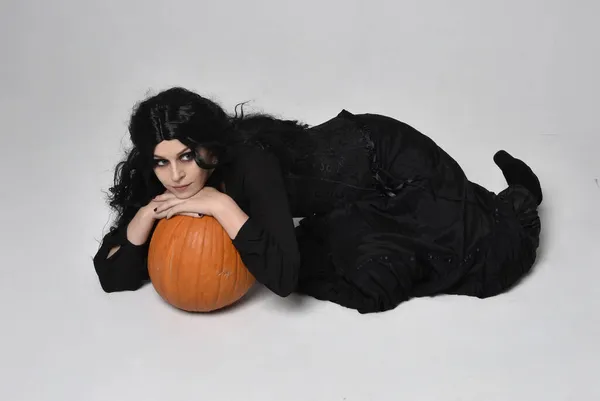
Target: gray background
476	76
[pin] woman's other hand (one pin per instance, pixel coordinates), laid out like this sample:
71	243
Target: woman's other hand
203	203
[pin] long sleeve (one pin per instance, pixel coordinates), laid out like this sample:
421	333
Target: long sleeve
267	241
126	269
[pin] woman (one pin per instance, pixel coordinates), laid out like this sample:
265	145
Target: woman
387	214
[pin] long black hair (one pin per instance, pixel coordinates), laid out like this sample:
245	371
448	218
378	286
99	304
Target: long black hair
178	113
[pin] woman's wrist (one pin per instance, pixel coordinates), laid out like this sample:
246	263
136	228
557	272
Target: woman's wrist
138	229
229	215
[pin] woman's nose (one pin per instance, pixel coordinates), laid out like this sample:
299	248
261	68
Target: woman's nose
177	174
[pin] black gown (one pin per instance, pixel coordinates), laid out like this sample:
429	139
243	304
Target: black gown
387	216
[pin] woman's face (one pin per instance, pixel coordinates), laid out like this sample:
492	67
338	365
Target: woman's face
176	169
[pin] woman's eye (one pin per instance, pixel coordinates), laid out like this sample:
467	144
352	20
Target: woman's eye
188	156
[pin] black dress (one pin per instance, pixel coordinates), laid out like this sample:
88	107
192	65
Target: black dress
387	215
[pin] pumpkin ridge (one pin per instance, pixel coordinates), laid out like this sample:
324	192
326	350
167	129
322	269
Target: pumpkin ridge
174	242
237	273
221	251
169	272
200	293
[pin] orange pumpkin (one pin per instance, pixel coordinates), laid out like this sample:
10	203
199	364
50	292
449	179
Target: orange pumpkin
194	266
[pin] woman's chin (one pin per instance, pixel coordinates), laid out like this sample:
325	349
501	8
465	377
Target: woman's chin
182	196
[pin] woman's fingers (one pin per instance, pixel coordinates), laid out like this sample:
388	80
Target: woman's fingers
172	211
167	214
180	209
162	214
168	204
189	214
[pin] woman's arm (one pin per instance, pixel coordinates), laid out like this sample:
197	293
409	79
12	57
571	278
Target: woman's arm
230	215
266	239
121	260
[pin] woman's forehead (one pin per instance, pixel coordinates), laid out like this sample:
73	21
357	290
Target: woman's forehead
169	148
174	148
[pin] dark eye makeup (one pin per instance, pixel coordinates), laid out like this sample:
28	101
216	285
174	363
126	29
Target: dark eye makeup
187	156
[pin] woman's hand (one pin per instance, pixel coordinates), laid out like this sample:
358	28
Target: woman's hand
205	202
149	212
